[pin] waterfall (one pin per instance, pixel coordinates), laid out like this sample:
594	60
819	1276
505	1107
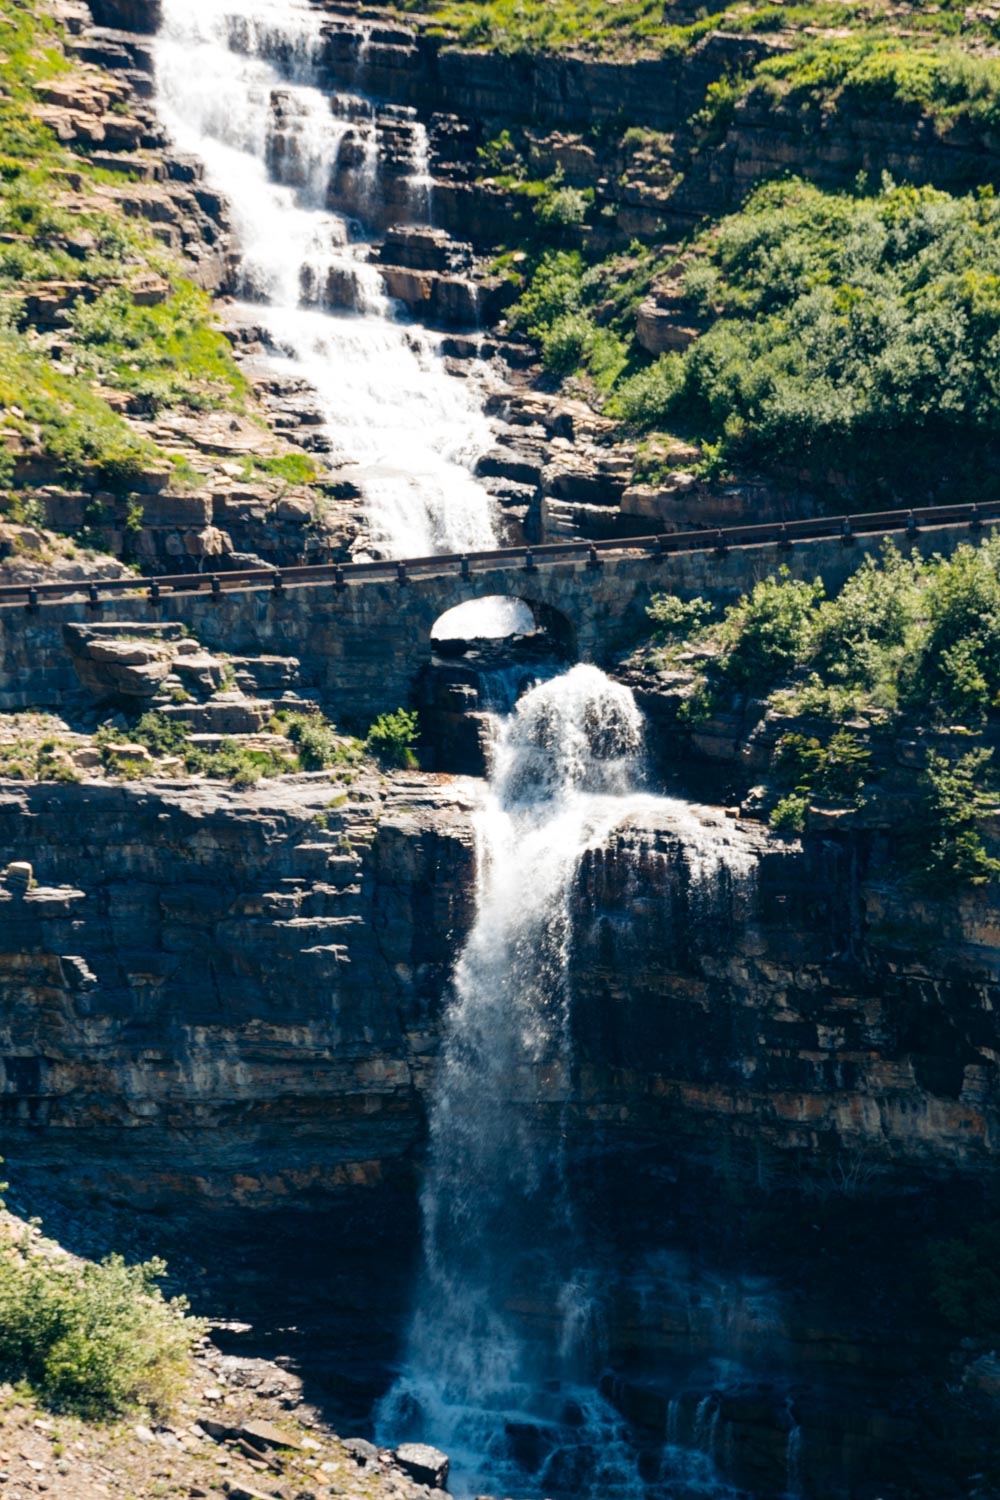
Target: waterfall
500	1232
793	1462
241	87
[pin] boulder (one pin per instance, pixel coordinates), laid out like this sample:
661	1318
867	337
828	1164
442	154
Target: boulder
424	1464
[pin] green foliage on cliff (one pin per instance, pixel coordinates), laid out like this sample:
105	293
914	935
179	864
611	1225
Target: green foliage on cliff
907	647
393	736
871	74
99	1340
61	415
626	27
167	353
60	228
949	846
965	1280
855	333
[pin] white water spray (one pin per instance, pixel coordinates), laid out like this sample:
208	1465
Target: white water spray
499	1221
238	87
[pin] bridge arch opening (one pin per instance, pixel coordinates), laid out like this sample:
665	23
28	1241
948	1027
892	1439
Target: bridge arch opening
485	653
503	622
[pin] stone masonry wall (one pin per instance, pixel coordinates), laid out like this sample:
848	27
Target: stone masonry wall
363	647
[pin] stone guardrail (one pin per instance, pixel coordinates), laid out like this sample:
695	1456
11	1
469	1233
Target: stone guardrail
783	534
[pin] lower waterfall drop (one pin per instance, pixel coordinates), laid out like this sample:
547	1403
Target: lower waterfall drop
519	1414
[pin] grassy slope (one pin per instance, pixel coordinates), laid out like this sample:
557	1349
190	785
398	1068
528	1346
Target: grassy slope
629	27
55	227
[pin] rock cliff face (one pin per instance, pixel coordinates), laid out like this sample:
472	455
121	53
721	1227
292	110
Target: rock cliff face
214	999
227	994
238	993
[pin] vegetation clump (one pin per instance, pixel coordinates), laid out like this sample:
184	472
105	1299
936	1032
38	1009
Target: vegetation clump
99	1340
853	333
131	322
393	736
907	646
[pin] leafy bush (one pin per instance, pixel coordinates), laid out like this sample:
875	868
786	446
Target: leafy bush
393	736
566	208
675	617
566	341
873	615
98	1340
646	398
835	769
789	814
553	291
315	741
960	663
856	334
160	735
949	845
768	632
965	1280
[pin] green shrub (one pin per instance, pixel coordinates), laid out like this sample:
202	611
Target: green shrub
314	740
960	662
835	769
566	208
552	291
965	1280
159	734
675	617
949	846
873	615
855	336
393	736
789	814
646	399
98	1340
768	632
567	341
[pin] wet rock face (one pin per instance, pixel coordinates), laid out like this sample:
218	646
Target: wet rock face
127	15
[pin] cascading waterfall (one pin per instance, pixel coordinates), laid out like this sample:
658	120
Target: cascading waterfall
519	1414
239	87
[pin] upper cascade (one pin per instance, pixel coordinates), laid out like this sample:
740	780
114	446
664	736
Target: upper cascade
247	91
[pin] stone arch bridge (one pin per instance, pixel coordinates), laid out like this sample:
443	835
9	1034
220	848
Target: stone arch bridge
362	633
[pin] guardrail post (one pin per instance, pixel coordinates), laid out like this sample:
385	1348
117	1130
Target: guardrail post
465	567
658	548
975	520
846	534
154	592
401	572
277	584
93	598
720	549
216	586
32	599
338	577
529	559
784	540
911	524
593	561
